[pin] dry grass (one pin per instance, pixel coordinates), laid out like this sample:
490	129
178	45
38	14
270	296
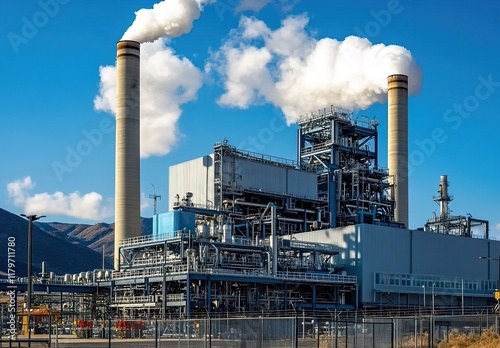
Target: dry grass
422	341
488	339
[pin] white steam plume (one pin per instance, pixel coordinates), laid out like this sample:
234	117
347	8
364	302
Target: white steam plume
89	206
170	18
297	73
167	82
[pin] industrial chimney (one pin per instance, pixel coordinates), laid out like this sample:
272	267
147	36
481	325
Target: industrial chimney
127	165
443	199
398	143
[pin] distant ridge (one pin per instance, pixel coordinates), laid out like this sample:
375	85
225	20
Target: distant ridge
60	255
92	236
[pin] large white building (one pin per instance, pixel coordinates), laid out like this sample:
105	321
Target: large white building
396	266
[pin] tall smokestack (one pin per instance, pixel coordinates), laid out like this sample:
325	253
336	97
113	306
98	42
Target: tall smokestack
444	198
398	143
127	166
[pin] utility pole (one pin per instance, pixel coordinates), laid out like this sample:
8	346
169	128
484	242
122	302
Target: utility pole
30	218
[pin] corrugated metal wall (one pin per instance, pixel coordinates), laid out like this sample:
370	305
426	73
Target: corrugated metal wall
250	174
366	249
196	176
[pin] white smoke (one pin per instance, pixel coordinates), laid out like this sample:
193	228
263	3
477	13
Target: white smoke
89	206
167	82
292	70
171	18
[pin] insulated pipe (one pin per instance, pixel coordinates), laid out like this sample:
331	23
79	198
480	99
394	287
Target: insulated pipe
397	93
237	201
216	254
273	239
127	165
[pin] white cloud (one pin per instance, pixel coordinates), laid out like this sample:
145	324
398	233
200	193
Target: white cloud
257	5
167	82
288	5
497	226
144	201
289	68
89	206
17	190
251	5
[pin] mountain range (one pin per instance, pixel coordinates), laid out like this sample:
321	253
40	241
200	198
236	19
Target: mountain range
65	247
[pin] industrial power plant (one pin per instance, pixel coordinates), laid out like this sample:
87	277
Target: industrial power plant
248	233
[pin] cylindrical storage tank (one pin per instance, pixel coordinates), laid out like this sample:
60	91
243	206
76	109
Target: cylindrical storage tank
81	276
204	254
100	274
191	259
44	270
107	274
75	278
203	230
213	229
227	236
397	93
67	278
52	275
88	276
127	164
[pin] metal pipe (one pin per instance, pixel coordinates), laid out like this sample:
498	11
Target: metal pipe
260	205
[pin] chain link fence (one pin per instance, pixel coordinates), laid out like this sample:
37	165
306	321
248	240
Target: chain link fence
266	332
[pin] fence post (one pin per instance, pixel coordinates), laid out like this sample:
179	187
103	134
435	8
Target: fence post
431	333
392	334
480	325
261	332
336	330
346	333
415	334
157	336
317	330
109	332
296	332
496	324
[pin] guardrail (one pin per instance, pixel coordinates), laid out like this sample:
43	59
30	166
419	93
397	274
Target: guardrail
184	269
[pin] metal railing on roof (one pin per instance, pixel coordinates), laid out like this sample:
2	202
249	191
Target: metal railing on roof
184	269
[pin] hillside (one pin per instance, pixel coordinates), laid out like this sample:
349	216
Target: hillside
92	236
61	256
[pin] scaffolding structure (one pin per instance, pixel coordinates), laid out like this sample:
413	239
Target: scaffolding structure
344	152
454	224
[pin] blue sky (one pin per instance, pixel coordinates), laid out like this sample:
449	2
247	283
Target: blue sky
58	150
